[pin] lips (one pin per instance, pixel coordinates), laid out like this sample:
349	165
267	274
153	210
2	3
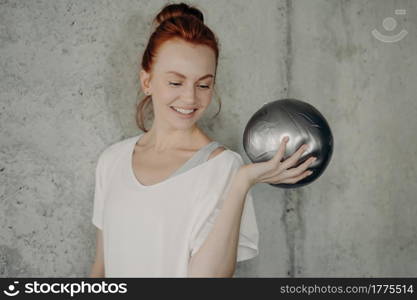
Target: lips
185	116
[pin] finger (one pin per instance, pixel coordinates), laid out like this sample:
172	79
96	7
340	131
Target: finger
281	150
301	168
293	172
295	179
293	159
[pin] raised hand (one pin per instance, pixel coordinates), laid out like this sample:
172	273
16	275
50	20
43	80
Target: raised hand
277	171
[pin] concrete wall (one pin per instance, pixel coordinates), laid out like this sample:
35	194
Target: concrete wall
68	89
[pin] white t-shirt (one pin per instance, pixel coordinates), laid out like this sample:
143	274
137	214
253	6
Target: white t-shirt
152	231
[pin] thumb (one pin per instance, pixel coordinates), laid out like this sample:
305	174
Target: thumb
281	150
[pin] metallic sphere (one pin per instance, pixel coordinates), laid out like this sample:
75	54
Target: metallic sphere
299	120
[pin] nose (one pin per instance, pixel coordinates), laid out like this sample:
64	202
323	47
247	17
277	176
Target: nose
189	96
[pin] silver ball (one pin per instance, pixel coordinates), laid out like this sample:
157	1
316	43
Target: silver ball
299	120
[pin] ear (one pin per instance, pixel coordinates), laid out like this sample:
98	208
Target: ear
144	78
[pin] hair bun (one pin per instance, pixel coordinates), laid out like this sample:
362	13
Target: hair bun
178	10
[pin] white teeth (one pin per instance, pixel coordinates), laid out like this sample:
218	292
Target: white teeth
183	111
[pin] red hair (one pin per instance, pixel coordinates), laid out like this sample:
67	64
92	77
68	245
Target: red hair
175	21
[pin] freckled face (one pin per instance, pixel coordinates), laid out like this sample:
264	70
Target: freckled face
183	78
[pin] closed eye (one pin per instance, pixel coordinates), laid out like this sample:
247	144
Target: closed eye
177	84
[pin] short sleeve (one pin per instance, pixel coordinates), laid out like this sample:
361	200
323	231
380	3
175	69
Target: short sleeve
98	195
210	207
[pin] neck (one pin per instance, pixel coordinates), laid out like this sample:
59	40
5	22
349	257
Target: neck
164	139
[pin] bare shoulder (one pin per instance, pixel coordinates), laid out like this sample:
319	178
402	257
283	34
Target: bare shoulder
216	152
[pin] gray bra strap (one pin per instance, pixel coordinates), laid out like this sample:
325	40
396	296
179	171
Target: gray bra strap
198	158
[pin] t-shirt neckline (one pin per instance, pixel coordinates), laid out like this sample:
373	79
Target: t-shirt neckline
139	184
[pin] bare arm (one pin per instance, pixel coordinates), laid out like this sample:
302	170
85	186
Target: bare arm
217	255
97	270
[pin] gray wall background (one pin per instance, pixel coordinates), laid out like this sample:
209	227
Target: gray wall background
68	89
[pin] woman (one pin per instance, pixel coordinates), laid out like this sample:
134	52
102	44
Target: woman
171	202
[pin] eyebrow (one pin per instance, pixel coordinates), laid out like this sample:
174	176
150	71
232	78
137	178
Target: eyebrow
183	76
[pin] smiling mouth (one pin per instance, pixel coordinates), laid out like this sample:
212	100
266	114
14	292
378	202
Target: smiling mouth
184	113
